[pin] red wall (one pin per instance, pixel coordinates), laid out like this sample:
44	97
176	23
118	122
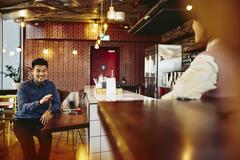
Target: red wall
72	72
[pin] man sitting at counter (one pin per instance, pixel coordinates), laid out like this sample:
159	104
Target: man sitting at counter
205	74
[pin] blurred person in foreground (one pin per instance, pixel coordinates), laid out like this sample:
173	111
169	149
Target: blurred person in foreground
222	19
38	100
202	74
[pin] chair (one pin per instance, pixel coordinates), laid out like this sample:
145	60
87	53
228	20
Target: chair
8	106
2	131
66	101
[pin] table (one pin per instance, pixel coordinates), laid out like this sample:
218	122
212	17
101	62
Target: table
172	130
63	122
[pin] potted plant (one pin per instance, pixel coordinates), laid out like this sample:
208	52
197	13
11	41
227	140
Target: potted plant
13	73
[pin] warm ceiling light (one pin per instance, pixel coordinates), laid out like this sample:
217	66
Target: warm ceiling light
22	24
111	13
94	30
146	17
105	26
126	27
101	34
189	7
98	41
18	49
96	46
45	51
74	52
95	24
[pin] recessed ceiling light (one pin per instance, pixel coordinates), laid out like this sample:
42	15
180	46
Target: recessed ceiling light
189	7
146	17
126	27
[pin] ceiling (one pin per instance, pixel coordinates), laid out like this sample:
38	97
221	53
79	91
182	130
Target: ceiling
72	10
162	17
164	14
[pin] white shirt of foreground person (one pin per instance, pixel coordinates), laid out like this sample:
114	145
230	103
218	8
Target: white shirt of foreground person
201	76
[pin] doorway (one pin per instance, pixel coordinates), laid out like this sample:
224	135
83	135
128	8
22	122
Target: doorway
104	61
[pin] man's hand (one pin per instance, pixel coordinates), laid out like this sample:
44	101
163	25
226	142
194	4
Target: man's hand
46	99
46	117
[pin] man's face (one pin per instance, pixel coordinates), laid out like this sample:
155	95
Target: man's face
40	73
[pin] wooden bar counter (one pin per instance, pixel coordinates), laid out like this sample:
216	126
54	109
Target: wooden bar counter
172	130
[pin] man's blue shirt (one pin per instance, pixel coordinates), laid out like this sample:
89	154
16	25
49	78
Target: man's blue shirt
29	95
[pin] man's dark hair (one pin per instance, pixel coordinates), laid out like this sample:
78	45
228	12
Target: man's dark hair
39	61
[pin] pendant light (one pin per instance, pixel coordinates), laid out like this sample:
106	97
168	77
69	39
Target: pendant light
105	26
111	13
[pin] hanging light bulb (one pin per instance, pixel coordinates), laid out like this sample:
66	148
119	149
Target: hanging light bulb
95	24
101	34
105	26
96	46
22	24
74	52
98	41
111	13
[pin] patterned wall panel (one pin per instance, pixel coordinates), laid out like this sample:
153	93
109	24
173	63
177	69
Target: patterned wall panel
72	72
80	31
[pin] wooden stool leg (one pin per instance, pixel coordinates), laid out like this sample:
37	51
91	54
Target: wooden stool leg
73	139
80	136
